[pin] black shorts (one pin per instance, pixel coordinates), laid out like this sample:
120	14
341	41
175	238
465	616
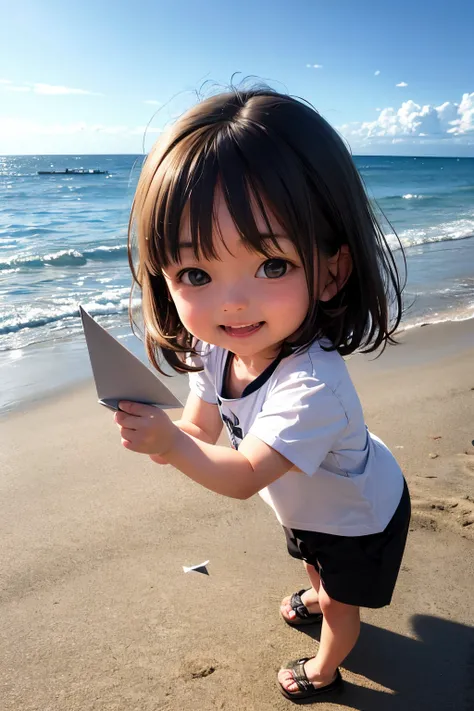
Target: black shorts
356	570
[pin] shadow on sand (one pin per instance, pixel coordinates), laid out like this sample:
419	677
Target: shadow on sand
433	672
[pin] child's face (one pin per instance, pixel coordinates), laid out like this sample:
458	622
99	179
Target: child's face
242	301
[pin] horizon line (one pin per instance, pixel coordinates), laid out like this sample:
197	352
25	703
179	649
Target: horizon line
354	155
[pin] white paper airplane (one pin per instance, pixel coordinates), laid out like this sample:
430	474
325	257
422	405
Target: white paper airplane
198	568
118	374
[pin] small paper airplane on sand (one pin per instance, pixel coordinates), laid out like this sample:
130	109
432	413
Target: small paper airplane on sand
118	374
201	568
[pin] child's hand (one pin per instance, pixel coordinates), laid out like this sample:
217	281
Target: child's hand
145	429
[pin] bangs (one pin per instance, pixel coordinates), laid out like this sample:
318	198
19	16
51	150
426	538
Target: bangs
255	175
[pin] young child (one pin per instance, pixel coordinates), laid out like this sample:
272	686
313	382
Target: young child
260	265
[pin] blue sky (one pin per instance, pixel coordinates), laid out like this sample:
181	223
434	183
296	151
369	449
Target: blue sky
78	77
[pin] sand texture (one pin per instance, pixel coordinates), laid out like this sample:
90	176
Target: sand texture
97	614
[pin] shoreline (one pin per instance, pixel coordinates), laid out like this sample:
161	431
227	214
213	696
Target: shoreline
69	369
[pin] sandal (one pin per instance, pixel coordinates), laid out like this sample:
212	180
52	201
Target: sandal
303	616
306	691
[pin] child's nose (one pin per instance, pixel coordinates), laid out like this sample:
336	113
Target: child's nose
234	298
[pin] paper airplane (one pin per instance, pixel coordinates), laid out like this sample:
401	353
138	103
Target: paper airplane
118	374
201	568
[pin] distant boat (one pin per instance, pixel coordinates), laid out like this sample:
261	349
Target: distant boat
73	171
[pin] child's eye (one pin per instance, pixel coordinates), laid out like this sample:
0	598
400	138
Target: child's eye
194	277
273	269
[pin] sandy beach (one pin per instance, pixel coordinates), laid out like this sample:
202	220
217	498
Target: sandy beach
97	613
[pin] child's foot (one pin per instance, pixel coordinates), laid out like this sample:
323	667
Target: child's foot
309	599
287	680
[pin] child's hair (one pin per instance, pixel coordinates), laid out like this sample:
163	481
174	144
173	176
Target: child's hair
279	151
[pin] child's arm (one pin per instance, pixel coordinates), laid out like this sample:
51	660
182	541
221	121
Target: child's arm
200	419
238	474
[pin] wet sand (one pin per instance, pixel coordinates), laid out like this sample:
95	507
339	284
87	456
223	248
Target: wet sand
97	613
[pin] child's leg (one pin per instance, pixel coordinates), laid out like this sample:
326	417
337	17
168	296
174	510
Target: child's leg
339	633
309	598
363	569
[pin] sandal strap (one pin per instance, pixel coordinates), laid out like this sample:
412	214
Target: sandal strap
298	606
296	668
299	675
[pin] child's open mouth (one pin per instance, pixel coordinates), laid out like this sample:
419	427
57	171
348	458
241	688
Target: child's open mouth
244	330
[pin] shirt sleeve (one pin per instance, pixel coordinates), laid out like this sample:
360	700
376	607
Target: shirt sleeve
302	419
201	383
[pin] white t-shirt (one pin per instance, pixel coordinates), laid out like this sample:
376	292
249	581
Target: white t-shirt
306	407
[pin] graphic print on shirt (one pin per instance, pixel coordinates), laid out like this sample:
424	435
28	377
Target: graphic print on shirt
232	423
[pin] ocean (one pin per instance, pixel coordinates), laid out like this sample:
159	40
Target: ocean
63	243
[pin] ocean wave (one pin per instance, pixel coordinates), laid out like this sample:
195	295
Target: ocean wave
15	196
465	314
37	317
104	253
7	242
65	258
11	174
444	232
376	166
436	194
20	231
408	196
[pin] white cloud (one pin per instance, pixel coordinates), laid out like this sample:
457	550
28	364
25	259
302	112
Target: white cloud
447	111
465	122
141	130
402	83
377	73
314	66
19	127
51	89
45	89
109	130
30	136
12	87
152	102
417	123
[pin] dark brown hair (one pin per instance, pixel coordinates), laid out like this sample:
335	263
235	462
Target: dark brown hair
275	148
